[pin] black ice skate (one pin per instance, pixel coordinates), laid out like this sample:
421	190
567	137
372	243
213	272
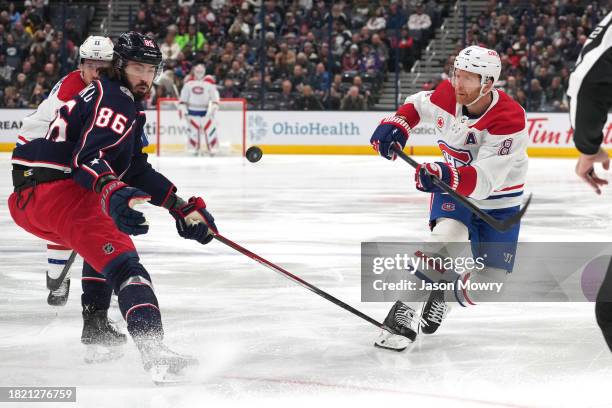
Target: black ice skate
401	319
102	339
59	296
164	365
434	311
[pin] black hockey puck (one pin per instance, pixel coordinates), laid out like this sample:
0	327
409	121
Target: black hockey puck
253	154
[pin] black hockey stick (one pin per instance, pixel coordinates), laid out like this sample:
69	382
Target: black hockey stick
302	282
499	225
54	284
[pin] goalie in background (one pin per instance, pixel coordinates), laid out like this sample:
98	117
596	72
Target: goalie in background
198	106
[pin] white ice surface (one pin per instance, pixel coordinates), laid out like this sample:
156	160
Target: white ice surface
262	339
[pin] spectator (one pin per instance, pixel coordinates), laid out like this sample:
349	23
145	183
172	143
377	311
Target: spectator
229	89
370	61
166	85
195	40
308	101
419	24
352	100
555	95
377	21
142	23
350	61
170	48
299	78
536	95
333	98
23	86
320	80
287	97
6	72
11	98
13	52
38	95
358	82
406	50
23	39
396	18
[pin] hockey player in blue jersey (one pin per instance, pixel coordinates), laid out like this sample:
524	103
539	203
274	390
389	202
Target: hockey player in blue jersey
77	187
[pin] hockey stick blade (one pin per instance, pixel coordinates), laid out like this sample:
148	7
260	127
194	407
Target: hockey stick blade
54	284
499	225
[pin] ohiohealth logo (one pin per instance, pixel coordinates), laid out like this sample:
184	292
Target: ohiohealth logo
258	127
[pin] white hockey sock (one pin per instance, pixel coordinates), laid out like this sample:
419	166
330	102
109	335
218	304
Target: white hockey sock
57	256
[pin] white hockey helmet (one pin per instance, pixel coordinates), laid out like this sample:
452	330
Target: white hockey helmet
199	71
481	61
478	60
96	48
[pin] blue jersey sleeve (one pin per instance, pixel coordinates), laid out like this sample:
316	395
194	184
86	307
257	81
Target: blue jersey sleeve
143	176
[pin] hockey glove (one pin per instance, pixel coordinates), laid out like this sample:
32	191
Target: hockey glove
117	200
194	222
392	130
462	180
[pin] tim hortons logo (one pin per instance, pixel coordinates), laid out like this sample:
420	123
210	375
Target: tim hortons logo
540	133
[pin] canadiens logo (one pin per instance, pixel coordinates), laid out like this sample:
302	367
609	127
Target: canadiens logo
440	122
448	206
108	248
198	90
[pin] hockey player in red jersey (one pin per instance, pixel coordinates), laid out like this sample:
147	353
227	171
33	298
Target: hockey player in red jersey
98	333
96	52
482	135
77	187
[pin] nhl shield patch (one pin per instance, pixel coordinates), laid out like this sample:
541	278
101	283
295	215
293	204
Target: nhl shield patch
108	248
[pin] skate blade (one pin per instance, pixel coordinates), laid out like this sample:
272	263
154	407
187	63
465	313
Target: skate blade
394	342
96	353
161	375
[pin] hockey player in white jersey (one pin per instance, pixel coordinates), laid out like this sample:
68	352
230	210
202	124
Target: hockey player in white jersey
95	52
482	135
198	105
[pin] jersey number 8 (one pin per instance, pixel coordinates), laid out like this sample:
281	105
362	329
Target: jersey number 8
104	118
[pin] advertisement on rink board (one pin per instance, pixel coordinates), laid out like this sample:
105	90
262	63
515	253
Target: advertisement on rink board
340	132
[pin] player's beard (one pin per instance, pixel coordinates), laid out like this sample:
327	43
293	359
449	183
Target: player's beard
464	97
140	90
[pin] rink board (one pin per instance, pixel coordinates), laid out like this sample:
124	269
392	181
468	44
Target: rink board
326	132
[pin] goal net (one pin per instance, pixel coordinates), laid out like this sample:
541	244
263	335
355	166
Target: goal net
172	131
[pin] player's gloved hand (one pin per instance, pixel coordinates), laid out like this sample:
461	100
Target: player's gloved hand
118	200
462	179
194	222
443	171
393	130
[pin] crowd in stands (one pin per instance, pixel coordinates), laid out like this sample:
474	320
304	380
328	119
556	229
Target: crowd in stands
539	42
31	52
318	54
